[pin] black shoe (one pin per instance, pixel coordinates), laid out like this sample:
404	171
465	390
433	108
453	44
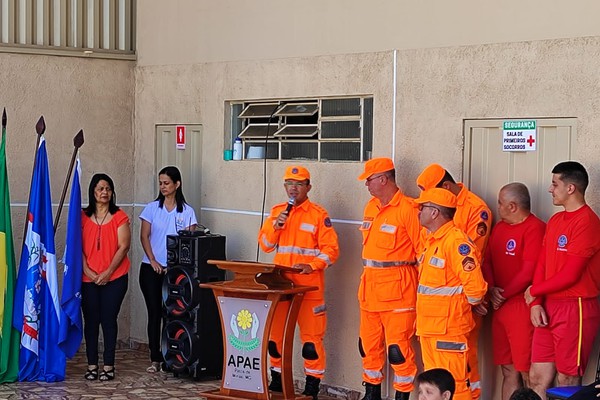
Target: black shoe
402	395
275	385
311	388
372	392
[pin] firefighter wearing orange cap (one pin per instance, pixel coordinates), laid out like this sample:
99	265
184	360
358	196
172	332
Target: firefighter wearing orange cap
387	291
303	237
450	283
474	217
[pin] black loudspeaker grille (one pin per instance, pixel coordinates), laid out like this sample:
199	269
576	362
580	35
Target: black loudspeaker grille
180	291
180	345
192	341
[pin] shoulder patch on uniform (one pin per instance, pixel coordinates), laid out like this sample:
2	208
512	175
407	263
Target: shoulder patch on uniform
468	264
327	222
485	216
464	249
481	229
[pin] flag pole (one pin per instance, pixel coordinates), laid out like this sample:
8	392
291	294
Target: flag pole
40	128
77	143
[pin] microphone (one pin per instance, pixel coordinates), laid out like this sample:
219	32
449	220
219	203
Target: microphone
290	204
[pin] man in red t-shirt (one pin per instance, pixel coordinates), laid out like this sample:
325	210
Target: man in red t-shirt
509	263
564	294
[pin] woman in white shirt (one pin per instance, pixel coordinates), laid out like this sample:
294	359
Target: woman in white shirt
167	215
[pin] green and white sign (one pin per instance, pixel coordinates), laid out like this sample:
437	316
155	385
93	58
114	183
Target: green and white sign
519	135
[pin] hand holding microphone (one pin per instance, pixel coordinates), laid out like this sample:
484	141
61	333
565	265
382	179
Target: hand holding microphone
284	214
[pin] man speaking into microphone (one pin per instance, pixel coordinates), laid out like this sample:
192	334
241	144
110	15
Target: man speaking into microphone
301	233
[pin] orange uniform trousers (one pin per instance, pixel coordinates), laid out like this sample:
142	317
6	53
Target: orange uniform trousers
392	328
473	343
312	322
450	353
474	217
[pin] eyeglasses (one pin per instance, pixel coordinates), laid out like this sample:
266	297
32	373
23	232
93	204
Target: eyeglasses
374	177
295	183
422	206
104	189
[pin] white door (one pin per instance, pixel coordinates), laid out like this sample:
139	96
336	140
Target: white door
486	168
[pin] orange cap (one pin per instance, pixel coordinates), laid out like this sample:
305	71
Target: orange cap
439	196
296	173
431	176
375	166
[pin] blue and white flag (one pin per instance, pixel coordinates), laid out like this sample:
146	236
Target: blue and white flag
71	332
37	311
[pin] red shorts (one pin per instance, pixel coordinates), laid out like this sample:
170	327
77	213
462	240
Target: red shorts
568	339
512	333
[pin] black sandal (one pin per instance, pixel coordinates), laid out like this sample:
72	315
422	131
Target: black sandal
91	374
107	374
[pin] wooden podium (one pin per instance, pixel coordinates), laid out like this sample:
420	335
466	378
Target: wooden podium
246	306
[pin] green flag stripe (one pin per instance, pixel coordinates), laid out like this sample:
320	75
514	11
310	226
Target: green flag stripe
9	341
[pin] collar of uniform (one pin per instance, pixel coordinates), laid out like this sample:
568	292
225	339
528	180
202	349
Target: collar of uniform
462	195
443	230
394	201
304	206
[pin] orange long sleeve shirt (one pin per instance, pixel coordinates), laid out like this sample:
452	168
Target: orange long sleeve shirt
450	282
473	217
391	235
307	237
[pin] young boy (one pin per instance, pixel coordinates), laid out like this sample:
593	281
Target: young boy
524	394
436	384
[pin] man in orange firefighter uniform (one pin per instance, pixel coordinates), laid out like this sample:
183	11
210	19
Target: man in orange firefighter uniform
387	291
474	217
450	283
303	237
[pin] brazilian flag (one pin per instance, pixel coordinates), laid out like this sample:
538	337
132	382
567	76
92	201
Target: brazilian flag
9	337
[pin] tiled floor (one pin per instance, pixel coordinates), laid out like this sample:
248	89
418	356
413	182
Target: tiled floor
131	382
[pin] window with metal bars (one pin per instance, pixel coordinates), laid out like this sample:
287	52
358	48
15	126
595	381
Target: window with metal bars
321	129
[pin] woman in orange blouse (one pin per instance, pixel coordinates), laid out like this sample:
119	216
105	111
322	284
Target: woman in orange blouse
106	240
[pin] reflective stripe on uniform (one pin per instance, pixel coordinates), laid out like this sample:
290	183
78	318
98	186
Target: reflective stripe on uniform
319	309
304	252
474	300
403	379
386	264
440	291
267	243
373	374
458	346
475	386
314	371
402	310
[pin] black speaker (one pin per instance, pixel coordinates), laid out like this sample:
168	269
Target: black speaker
192	341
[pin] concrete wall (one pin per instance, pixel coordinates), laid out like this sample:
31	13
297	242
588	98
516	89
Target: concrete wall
196	31
72	94
437	88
